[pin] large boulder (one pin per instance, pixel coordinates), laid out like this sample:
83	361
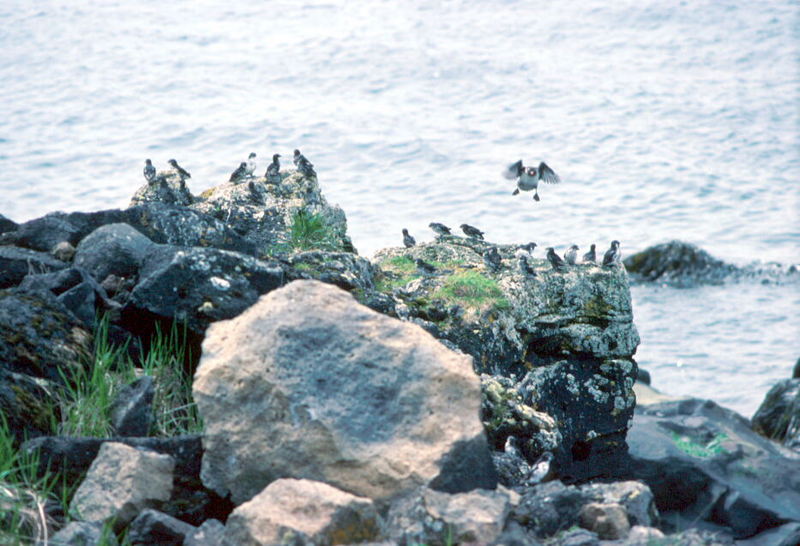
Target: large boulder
7	224
309	384
16	263
40	337
677	263
703	462
303	512
778	416
276	218
113	249
564	340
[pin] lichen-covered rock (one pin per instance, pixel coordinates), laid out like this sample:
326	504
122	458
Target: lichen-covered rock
198	285
167	187
677	263
564	339
26	404
778	416
265	213
154	527
608	520
40	337
434	517
17	262
705	463
116	249
343	269
309	384
83	533
303	512
122	482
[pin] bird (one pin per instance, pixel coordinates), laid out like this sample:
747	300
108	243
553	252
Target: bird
298	157
303	165
470	231
408	240
525	267
180	170
612	255
273	173
424	267
571	255
541	470
528	247
591	256
440	229
528	177
239	173
251	164
555	259
492	259
149	171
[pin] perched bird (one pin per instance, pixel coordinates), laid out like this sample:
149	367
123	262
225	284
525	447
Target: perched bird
424	267
571	255
492	259
613	254
541	470
555	259
149	171
408	240
440	229
298	157
273	173
525	267
470	231
528	177
251	164
303	165
239	173
528	247
591	256
180	170
255	195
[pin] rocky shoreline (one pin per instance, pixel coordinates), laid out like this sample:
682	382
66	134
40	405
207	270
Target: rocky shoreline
332	399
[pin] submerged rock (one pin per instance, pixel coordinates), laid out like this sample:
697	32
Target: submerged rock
677	263
309	384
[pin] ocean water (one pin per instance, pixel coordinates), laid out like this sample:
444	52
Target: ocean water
664	120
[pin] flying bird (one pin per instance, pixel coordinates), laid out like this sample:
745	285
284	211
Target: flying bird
528	177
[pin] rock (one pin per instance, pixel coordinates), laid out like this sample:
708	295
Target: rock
778	416
643	376
571	332
63	251
167	187
608	521
210	533
796	370
154	527
113	249
635	498
309	384
644	535
343	269
190	501
434	517
198	285
131	410
122	482
26	404
39	337
16	262
704	463
787	534
292	214
47	232
303	512
7	224
83	533
677	263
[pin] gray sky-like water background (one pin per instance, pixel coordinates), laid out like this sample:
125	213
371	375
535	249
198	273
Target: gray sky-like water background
665	120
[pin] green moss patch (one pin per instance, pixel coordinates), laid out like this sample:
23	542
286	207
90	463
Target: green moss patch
472	290
692	447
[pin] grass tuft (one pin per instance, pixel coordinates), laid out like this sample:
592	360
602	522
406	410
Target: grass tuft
471	289
311	230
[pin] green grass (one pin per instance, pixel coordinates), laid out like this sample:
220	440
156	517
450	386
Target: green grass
311	230
695	449
473	290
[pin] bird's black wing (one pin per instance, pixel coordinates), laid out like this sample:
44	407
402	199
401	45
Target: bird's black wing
547	175
183	172
513	171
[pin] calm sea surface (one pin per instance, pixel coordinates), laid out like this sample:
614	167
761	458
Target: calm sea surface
664	120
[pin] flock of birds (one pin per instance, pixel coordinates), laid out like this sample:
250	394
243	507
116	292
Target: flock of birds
527	179
246	169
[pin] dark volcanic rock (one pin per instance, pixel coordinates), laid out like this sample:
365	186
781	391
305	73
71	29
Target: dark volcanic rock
677	263
167	187
17	262
27	404
48	231
116	249
343	269
705	462
778	416
198	285
154	527
131	410
7	224
190	501
39	336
